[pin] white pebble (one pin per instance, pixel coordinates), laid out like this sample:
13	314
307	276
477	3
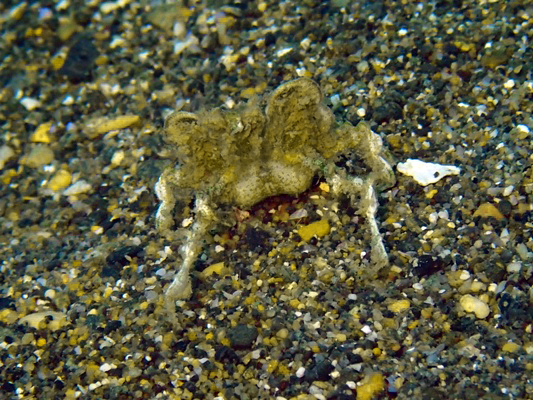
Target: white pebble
464	275
402	32
179	29
508	84
523	128
522	251
305	43
362	66
505	236
77	188
283	52
181	45
366	329
118	157
335	100
63	5
444	214
117	42
30	103
508	190
68	101
143	55
514	267
107	367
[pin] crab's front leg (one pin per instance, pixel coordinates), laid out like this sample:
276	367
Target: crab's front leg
165	189
180	287
370	147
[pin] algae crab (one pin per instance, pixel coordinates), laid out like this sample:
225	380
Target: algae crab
242	157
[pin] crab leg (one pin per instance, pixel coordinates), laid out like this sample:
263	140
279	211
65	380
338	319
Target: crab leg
181	285
165	191
369	205
367	208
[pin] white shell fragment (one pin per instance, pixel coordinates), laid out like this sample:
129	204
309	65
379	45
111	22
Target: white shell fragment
425	172
55	319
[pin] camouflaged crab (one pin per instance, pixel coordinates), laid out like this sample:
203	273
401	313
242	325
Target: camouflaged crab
242	157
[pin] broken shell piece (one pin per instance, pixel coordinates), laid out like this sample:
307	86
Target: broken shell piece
424	172
54	320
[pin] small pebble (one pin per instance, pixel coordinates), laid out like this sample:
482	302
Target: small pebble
60	180
511	347
488	210
319	228
118	157
107	367
80	61
399	306
39	155
42	133
217	268
105	125
242	336
77	188
475	305
514	267
6	153
30	103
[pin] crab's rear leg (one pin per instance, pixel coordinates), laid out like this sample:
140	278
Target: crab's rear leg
180	287
367	208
